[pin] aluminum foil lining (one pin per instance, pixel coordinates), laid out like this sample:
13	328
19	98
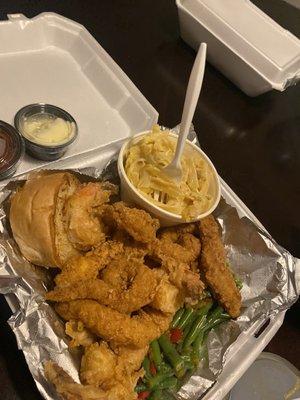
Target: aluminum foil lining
269	274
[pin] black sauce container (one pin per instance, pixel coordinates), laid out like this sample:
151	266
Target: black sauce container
11	150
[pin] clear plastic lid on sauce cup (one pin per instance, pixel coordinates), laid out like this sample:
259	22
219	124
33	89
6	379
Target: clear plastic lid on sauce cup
37	114
11	150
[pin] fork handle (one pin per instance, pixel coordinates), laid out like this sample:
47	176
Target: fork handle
191	100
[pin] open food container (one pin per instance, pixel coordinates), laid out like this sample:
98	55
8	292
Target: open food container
57	61
108	108
246	45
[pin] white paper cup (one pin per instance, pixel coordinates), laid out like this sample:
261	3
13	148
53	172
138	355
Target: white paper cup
131	195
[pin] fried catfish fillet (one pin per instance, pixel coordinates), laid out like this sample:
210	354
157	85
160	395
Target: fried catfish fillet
137	223
117	328
84	267
218	276
137	288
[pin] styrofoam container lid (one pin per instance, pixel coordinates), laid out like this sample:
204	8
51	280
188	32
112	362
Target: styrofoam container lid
253	36
270	377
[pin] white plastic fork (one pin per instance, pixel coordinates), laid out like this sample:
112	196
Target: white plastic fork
191	99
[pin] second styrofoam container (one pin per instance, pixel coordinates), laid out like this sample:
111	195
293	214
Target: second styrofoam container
246	45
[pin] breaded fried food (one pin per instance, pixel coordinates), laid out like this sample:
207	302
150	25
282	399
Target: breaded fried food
120	329
137	223
137	288
98	365
218	276
87	266
186	280
70	390
178	243
168	298
84	228
79	334
116	370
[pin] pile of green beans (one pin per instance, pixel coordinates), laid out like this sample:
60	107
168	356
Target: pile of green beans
169	362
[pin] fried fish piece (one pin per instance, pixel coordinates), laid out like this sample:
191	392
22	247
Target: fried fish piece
138	223
137	287
70	390
87	266
179	243
109	324
186	280
213	264
98	365
116	370
168	298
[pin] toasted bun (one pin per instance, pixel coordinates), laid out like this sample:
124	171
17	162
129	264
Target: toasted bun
36	218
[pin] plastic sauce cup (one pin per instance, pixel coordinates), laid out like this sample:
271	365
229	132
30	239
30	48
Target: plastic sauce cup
47	152
11	150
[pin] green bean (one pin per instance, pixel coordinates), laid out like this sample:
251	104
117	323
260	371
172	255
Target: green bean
177	317
160	395
168	383
155	380
237	279
187	328
172	355
197	326
156	395
217	322
215	318
185	319
146	366
198	345
156	354
188	361
203	350
199	339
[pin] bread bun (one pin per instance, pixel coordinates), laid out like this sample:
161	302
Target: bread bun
36	218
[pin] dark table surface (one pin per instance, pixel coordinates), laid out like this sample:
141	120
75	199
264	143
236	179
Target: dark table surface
254	142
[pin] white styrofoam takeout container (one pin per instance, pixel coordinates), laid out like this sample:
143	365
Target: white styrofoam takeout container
245	44
51	59
108	109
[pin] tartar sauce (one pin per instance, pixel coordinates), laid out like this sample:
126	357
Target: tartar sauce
46	129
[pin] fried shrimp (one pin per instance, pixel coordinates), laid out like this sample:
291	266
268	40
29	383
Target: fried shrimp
87	266
137	287
82	209
137	223
178	243
213	263
120	329
69	389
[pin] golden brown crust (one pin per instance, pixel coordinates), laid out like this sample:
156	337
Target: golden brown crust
213	264
114	327
32	215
